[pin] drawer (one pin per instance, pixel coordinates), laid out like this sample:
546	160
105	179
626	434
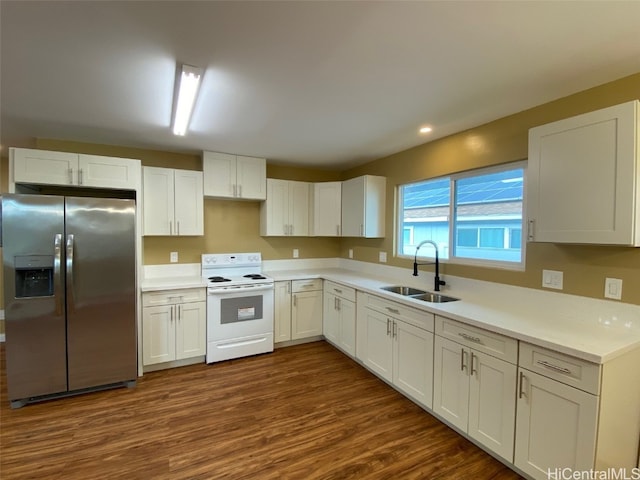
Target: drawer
341	291
414	316
306	285
479	339
168	297
558	366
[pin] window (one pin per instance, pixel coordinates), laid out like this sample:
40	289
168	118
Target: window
474	217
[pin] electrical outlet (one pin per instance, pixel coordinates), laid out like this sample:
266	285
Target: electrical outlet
351	253
296	253
552	279
173	257
613	288
382	257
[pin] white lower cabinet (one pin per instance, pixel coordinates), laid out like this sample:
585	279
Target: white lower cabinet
556	426
475	393
173	325
298	309
396	343
339	317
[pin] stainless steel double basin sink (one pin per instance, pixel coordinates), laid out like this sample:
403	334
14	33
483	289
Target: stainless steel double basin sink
419	294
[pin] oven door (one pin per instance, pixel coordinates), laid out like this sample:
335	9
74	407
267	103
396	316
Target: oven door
239	312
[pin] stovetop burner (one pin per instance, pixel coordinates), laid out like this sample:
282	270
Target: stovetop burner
255	276
219	279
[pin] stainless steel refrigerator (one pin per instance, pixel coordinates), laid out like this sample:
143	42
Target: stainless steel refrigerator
70	296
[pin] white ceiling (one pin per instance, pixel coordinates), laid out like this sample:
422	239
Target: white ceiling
324	83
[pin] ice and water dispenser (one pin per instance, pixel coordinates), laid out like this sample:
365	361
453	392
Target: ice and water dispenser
34	275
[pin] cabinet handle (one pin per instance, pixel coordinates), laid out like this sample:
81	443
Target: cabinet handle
337	290
240	191
520	386
172	307
335	303
531	230
70	172
295	300
473	356
393	310
339	306
388	326
178	227
463	364
470	338
395	329
554	367
288	288
170	227
361	230
80	177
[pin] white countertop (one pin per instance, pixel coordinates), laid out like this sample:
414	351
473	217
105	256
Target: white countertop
591	329
588	328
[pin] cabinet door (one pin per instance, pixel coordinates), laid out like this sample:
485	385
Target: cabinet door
44	167
330	318
413	361
158	206
306	315
492	407
108	172
347	326
282	312
251	178
299	208
582	177
555	426
327	207
451	382
189	208
274	212
219	174
378	344
158	334
353	207
191	324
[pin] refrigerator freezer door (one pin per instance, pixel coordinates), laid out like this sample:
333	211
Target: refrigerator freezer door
100	279
33	226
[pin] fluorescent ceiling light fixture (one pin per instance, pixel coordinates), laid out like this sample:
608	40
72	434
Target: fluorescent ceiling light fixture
187	93
425	129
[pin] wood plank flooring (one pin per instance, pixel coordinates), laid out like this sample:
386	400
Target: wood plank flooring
303	412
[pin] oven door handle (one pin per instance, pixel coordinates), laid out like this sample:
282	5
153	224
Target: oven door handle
243	289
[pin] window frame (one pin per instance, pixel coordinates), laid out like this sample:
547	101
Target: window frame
428	255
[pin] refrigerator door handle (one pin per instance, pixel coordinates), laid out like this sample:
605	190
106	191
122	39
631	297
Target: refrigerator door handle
57	276
70	294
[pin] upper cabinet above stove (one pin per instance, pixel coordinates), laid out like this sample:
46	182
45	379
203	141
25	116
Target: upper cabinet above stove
583	178
234	176
172	202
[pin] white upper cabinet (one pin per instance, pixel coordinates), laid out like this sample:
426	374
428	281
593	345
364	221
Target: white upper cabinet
234	176
363	207
327	209
583	178
172	202
286	210
71	169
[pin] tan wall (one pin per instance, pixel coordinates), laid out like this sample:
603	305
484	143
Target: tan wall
501	141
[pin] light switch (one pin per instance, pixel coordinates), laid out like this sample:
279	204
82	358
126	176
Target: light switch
351	253
173	257
552	279
296	253
613	288
383	257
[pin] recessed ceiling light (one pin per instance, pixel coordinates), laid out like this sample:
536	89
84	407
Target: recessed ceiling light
425	129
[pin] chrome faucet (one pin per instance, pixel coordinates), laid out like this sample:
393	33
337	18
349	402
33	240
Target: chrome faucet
436	281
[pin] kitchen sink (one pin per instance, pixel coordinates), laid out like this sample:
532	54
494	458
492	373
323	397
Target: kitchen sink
419	294
434	298
406	291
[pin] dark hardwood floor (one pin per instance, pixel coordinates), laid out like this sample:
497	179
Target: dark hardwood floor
303	412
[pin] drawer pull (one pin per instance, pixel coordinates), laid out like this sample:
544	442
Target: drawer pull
308	285
463	355
388	326
393	310
470	338
473	355
520	387
337	290
554	367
